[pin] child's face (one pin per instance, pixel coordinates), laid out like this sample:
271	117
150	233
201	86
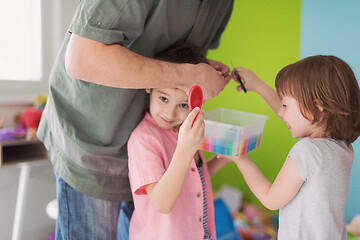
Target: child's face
298	125
168	107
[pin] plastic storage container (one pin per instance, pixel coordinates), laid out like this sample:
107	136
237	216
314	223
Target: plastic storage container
232	132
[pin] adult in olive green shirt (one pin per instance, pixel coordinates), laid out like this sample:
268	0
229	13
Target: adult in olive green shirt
96	98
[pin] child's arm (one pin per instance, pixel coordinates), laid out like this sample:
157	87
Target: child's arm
272	195
163	194
253	83
216	163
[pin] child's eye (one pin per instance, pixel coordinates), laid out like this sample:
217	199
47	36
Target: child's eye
184	105
284	105
163	99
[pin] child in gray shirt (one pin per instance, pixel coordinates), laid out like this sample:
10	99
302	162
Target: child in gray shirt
319	99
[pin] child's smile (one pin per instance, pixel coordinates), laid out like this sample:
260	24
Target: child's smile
298	125
168	107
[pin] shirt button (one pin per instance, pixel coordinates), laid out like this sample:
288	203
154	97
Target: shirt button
193	169
199	219
198	195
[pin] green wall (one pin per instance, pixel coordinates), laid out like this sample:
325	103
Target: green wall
263	36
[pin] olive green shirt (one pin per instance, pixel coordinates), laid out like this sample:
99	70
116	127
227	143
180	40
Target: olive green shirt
86	126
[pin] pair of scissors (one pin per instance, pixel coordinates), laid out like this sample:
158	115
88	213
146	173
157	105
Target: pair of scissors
239	79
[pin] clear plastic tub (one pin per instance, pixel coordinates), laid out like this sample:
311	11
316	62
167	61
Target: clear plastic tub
232	132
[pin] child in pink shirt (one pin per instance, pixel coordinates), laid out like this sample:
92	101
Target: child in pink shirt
169	177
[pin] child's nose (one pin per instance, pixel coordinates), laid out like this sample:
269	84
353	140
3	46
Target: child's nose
171	112
281	112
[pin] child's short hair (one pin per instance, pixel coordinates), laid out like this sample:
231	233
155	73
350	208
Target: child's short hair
328	82
182	53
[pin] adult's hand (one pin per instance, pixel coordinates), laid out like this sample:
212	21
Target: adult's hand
220	67
209	79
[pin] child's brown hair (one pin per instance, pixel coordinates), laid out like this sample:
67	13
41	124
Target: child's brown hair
182	53
327	93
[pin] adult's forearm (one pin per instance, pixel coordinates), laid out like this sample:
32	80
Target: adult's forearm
117	66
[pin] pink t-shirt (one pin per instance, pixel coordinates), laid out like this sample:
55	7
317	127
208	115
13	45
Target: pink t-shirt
150	150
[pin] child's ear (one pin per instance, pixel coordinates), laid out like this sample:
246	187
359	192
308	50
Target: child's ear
148	90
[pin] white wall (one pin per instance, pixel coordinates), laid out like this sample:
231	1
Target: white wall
41	185
332	28
61	13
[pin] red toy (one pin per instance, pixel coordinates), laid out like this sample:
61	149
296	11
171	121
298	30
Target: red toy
30	120
196	98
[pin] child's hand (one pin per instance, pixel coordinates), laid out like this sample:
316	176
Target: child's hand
192	135
233	159
224	158
251	81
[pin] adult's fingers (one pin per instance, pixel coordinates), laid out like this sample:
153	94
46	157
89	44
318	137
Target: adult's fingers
225	71
218	85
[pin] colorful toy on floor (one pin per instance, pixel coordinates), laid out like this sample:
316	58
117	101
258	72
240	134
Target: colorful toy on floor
250	222
225	228
232	197
254	223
